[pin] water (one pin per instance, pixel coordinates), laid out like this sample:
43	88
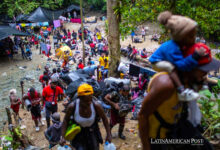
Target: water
30	76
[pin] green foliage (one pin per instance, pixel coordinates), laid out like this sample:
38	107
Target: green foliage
97	4
7	141
211	111
205	12
217	56
16	7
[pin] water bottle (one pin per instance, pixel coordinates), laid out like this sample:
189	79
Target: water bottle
65	147
109	146
43	114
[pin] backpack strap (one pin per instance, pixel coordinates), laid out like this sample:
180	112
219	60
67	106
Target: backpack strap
163	123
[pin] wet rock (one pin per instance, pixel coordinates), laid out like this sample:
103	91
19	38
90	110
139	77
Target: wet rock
29	77
33	148
4	74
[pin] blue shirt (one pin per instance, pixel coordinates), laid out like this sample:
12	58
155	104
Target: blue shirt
90	70
170	51
92	62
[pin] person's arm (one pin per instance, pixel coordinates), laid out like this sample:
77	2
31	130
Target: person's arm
40	99
101	113
61	93
162	88
66	121
47	133
44	96
14	103
24	98
184	64
108	100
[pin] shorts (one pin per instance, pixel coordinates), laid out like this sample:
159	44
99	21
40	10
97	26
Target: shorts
50	109
163	66
15	108
115	118
36	112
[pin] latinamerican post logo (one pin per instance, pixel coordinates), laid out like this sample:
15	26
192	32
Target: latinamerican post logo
191	141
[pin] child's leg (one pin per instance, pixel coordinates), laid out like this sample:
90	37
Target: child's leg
176	80
183	94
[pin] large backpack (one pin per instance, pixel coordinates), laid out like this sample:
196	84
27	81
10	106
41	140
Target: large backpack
183	129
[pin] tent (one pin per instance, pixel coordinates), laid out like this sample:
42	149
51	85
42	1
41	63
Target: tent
72	8
5	18
41	15
6	31
21	17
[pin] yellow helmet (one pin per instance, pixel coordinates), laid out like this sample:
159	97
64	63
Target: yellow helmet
85	89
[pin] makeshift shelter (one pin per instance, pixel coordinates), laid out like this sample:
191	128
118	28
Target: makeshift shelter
42	15
70	9
21	17
4	18
6	31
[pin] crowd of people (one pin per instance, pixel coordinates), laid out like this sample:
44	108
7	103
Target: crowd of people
182	67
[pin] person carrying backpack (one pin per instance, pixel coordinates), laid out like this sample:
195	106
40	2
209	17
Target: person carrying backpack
85	112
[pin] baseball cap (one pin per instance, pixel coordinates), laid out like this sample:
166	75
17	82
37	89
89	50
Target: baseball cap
55	117
206	63
84	90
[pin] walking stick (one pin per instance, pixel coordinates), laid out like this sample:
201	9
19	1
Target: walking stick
22	92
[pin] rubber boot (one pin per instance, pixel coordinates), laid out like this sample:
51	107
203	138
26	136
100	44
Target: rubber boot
120	132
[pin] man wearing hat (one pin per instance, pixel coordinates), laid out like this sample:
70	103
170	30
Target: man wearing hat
162	102
117	99
50	95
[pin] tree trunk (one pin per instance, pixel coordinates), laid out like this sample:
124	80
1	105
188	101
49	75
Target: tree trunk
9	115
113	37
82	30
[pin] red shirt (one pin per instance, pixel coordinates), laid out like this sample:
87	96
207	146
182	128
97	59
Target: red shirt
49	95
49	29
33	99
74	42
81	66
41	78
92	45
69	35
134	51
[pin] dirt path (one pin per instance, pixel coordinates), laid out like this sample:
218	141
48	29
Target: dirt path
11	75
131	143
